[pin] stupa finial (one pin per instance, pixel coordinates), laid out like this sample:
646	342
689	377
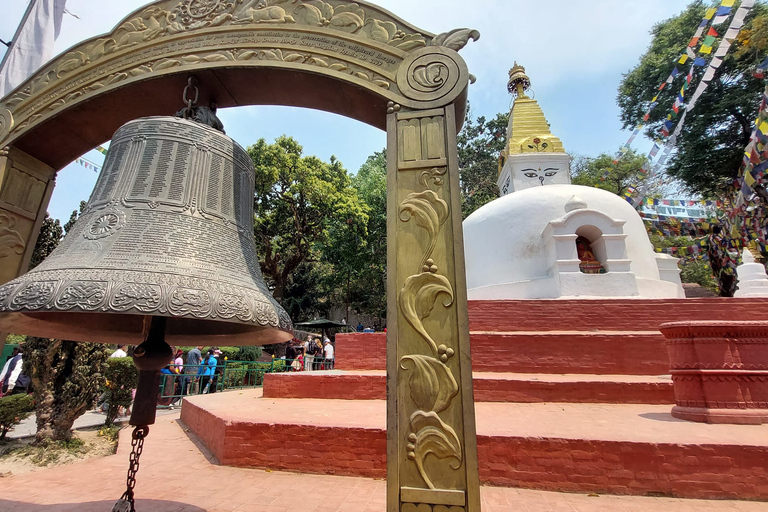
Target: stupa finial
518	81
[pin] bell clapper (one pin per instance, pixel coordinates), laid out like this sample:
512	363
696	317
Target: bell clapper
149	357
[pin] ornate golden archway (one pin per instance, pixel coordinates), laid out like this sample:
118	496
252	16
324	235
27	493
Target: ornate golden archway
353	59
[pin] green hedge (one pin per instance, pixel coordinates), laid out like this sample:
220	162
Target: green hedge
122	376
13	410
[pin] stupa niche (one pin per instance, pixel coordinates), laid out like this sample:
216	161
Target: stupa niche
547	238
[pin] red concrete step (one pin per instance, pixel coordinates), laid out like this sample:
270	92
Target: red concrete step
621	449
604	314
488	387
599	352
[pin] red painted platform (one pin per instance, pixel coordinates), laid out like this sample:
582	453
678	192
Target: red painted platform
488	387
617	352
595	336
566	392
621	449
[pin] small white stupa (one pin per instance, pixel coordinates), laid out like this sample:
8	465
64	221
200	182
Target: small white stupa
753	281
546	238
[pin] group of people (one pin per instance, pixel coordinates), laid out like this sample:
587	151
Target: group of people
199	374
313	354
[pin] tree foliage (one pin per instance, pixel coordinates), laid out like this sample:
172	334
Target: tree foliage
120	379
479	143
298	199
66	377
710	147
600	172
51	234
13	410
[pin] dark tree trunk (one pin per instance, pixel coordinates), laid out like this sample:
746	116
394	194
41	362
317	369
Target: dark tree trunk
66	377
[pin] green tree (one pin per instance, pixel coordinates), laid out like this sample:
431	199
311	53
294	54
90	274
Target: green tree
479	143
66	377
601	172
51	234
367	287
691	270
297	200
710	147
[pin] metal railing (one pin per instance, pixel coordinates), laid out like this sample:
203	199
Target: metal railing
227	375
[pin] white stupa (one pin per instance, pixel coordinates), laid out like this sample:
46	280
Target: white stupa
753	281
546	238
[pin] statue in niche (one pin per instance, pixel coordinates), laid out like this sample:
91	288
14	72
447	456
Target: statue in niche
589	264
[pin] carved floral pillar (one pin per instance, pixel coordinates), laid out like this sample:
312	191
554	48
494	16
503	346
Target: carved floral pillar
26	185
432	450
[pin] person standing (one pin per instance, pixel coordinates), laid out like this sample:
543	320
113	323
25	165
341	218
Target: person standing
206	372
309	353
120	352
11	379
328	351
318	362
194	359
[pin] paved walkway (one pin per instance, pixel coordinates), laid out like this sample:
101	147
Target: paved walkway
90	419
177	475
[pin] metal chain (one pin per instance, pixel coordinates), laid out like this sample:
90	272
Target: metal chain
189	102
137	446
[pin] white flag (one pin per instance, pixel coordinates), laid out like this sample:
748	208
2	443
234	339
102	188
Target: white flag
32	45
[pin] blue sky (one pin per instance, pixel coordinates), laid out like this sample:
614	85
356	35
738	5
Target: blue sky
574	52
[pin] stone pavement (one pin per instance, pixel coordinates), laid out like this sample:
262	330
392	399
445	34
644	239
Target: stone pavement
178	474
90	419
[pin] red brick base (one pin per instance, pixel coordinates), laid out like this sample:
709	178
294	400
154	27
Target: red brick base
488	387
691	471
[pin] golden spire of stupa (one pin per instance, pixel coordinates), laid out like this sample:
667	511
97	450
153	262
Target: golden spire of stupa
528	130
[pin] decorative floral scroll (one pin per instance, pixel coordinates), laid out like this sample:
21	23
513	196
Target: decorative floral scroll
418	297
430	434
429	211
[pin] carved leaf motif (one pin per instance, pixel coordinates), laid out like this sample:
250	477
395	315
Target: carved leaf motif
246	54
381	83
295	57
433	436
117	77
166	63
11	241
418	297
338	66
435	174
381	31
141	70
16	99
271	54
350	21
219	57
456	39
432	383
319	62
313	13
409	42
429	211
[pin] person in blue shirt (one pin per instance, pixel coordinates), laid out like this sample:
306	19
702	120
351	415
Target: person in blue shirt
207	370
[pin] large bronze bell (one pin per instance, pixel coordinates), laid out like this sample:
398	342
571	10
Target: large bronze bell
168	232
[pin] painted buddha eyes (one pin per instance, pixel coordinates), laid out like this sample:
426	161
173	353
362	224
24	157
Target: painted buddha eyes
533	173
